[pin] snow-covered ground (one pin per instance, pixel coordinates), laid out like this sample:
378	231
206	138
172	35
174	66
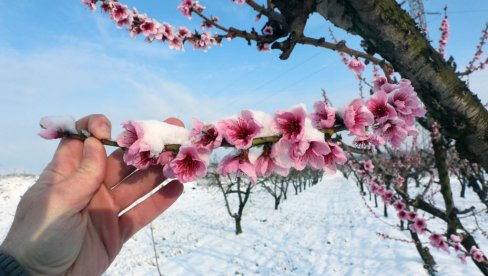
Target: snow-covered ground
324	230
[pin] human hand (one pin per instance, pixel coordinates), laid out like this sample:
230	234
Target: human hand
68	222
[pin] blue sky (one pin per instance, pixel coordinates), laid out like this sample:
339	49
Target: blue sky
57	58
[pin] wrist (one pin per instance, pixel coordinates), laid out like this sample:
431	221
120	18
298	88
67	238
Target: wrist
10	266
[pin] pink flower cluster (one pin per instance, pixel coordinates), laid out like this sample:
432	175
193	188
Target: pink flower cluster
356	66
153	30
477	254
298	145
444	34
390	112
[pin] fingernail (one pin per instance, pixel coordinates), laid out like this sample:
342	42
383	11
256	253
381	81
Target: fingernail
106	131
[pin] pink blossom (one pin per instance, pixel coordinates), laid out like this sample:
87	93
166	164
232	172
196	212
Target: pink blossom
189	165
412	216
419	225
378	105
186	8
400	180
335	156
456	238
176	43
364	141
303	153
356	66
164	32
107	6
378	83
357	116
462	258
368	166
165	157
241	131
399	205
263	47
387	196
439	241
323	117
265	164
393	131
120	13
90	3
377	189
149	27
239	165
239	2
402	214
477	254
138	153
205	136
405	101
444	34
202	41
183	32
268	30
291	123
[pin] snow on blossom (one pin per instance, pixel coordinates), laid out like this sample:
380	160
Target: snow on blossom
145	141
356	66
291	124
266	121
189	165
241	131
379	106
237	163
323	117
205	136
357	116
439	241
53	127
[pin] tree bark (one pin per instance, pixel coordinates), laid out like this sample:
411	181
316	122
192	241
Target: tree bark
389	31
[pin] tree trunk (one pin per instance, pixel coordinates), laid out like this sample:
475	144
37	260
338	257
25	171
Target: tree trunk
389	31
238	225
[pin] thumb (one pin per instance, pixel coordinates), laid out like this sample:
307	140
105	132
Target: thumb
89	175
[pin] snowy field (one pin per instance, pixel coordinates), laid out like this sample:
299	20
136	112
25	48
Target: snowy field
325	230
